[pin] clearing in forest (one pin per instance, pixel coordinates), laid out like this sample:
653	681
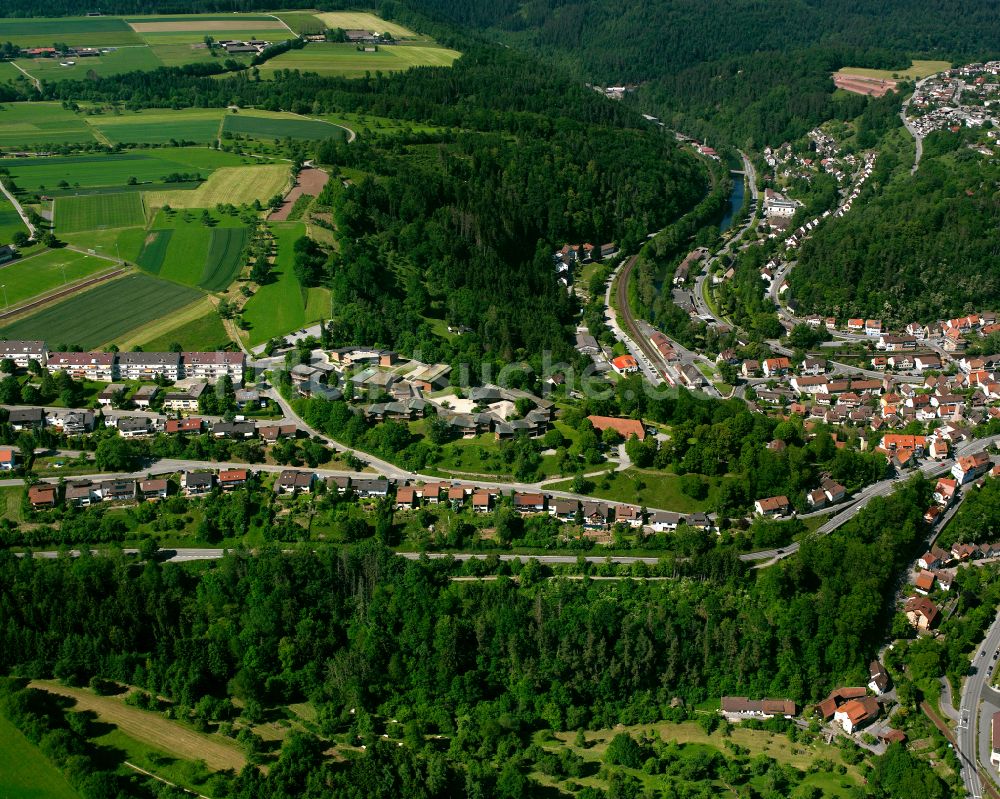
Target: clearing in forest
152	728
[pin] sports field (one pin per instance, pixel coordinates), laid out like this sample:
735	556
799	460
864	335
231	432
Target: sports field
25	773
99	211
114	169
262	125
241	184
10	222
917	70
105	314
361	20
125	59
35	275
158	126
75	31
280	307
346	60
32	124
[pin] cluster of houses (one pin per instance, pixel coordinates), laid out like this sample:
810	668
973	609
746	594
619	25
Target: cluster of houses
104	367
69	52
957	98
852	708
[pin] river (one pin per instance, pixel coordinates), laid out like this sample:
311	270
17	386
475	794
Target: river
735	201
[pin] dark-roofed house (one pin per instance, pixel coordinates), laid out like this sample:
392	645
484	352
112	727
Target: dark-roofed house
292	481
368	488
197	483
564	509
82	493
26	418
117	490
134	426
234	430
880	681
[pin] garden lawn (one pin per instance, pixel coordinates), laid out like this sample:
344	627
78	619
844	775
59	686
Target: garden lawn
37	274
345	60
277	126
25	773
99	211
278	307
661	490
30	125
114	169
105	314
159	126
236	185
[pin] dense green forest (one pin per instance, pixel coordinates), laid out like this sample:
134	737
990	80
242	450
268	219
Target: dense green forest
925	247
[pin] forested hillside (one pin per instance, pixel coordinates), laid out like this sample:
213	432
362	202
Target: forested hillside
465	220
925	247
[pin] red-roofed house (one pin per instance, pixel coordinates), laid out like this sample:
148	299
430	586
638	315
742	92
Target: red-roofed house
625	427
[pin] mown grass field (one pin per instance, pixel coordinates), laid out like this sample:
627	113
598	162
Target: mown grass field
114	169
278	307
158	126
153	728
917	70
126	59
104	314
278	126
184	257
362	20
347	61
75	31
35	275
223	262
236	185
197	328
99	211
31	125
25	773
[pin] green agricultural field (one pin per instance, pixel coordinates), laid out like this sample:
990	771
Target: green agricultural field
34	275
302	21
279	307
917	70
659	490
154	250
234	185
278	126
362	20
30	125
184	257
10	222
8	72
99	211
115	169
202	333
25	773
126	59
223	262
105	314
74	31
191	29
345	60
160	126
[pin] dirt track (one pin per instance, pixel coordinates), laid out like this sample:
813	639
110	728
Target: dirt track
310	181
